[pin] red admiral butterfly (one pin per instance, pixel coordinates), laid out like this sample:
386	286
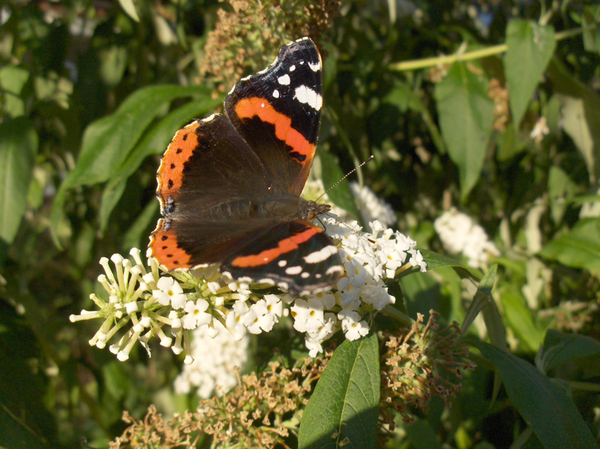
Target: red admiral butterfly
229	185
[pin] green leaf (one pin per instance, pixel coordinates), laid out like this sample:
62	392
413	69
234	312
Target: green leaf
18	146
542	403
133	237
559	348
113	62
560	189
153	142
109	141
583	116
422	435
329	171
482	300
577	127
579	248
344	408
129	8
466	114
530	47
591	32
436	261
12	81
520	319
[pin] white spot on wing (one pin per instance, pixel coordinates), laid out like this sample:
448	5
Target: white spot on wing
293	271
305	275
334	269
292	67
315	67
321	255
282	263
306	95
284	80
276	93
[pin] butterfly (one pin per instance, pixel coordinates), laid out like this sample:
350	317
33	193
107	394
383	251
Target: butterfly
229	186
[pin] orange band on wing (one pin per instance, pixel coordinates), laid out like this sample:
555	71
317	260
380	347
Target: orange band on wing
165	249
255	106
181	148
284	246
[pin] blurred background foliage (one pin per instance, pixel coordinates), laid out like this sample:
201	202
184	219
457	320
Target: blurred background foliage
491	107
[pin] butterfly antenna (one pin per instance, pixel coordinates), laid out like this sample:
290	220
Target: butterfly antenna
346	175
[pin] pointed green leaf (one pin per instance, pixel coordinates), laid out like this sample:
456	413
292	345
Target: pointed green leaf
577	127
562	348
466	114
18	146
565	84
344	408
130	9
436	261
591	32
520	319
543	404
530	47
579	248
135	238
482	301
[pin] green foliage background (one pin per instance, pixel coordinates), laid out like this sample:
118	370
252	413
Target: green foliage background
91	93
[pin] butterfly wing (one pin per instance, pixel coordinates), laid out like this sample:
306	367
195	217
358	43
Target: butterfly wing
278	112
297	256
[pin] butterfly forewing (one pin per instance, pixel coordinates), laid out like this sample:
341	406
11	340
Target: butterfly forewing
278	111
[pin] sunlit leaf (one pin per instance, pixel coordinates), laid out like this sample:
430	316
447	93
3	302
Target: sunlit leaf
465	113
530	47
18	146
344	407
578	248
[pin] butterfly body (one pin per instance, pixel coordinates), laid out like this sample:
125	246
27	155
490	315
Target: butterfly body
229	185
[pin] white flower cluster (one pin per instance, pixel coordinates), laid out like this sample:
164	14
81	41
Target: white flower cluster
369	259
461	235
216	354
169	305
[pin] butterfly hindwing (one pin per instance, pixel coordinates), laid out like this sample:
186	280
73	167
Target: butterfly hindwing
296	256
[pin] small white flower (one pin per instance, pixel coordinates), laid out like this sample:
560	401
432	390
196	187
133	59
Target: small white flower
169	292
353	327
235	321
196	315
308	314
540	130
